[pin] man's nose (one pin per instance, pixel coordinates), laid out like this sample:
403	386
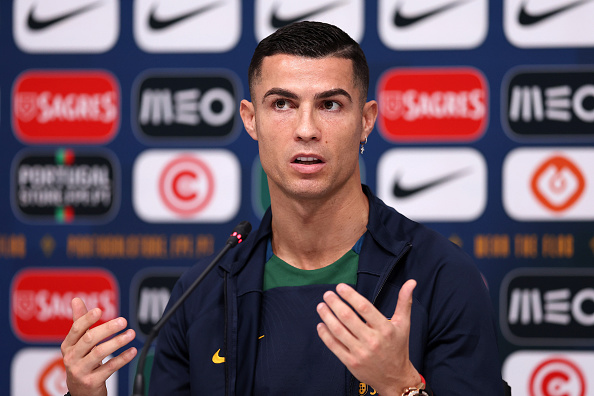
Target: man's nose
307	127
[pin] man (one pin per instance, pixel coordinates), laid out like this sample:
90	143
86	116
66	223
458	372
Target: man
254	326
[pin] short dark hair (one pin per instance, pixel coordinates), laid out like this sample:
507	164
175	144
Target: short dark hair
311	40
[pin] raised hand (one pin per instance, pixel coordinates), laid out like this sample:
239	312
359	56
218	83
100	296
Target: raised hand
84	350
375	349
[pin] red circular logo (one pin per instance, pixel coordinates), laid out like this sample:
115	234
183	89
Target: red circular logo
186	186
557	377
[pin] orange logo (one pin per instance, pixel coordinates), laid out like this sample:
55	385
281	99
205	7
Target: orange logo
52	380
558	183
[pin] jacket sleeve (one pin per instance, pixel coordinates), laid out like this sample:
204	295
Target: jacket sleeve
461	355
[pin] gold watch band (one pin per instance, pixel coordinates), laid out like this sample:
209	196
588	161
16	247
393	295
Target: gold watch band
415	390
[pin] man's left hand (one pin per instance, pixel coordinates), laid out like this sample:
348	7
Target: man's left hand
375	349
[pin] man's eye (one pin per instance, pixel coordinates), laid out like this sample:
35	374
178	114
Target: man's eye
331	105
281	104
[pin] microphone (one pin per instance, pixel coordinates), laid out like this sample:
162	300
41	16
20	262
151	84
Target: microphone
239	234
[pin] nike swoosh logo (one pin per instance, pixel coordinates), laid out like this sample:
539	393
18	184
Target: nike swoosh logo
401	20
403	192
278	22
158	24
38	24
528	19
216	359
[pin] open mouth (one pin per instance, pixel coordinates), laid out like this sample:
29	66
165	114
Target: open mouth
307	160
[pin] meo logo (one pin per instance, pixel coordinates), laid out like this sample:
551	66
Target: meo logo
548	306
187	104
186	186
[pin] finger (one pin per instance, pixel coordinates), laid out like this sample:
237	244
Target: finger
96	335
335	346
361	305
345	314
101	351
80	327
404	304
116	363
334	326
78	308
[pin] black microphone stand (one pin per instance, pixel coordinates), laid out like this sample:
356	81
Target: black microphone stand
240	232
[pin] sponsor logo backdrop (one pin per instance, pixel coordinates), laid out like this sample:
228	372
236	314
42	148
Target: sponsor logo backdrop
124	160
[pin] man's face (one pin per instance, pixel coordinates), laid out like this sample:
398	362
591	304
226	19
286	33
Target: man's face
308	117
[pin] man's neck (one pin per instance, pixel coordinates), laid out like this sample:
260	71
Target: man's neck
312	234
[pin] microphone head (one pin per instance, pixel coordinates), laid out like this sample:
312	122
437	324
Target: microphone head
240	232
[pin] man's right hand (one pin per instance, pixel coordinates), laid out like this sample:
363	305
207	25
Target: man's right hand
84	351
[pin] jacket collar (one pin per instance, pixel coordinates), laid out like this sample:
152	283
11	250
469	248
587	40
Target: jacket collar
389	240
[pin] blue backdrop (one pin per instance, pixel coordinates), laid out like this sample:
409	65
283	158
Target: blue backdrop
101	100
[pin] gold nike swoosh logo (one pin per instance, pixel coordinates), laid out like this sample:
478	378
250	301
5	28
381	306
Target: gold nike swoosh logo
216	359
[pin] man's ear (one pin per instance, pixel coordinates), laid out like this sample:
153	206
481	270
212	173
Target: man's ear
370	110
248	115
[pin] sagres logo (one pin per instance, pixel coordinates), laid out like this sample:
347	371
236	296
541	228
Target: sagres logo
57	107
550	373
186	186
553	23
40	371
549	103
149	295
434	184
88	26
349	15
65	185
199	105
552	306
40	300
432	105
424	24
187	25
549	184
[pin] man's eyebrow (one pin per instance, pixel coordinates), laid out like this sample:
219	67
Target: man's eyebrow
280	92
322	95
334	92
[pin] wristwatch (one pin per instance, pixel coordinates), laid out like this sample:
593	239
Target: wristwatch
418	390
415	391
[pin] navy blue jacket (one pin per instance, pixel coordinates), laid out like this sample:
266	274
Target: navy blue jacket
453	341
